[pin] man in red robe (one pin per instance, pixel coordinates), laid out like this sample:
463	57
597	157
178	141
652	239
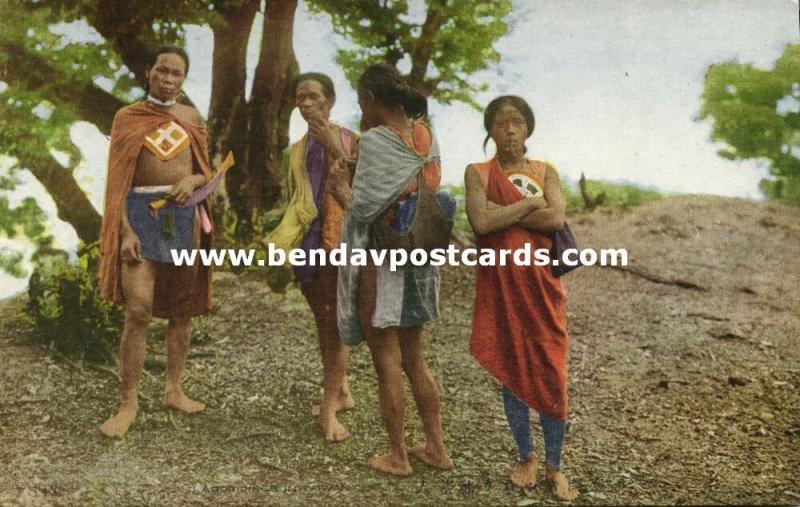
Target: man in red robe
159	149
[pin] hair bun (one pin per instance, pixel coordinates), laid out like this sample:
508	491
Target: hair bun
391	87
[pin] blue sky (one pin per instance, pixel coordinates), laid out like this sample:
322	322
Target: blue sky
615	85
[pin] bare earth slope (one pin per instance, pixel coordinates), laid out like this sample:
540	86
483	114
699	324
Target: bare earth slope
684	371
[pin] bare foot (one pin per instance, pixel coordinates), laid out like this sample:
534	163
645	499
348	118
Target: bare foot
435	456
333	430
181	402
560	485
390	464
117	426
344	402
526	473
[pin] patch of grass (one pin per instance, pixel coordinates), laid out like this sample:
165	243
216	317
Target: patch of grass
615	196
461	226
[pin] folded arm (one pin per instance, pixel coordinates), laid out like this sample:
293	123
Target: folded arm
551	217
486	219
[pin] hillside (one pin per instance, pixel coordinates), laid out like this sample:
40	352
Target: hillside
684	386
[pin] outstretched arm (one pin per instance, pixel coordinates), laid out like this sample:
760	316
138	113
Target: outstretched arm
485	219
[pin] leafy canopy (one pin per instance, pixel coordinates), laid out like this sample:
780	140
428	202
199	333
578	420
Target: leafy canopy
756	113
454	40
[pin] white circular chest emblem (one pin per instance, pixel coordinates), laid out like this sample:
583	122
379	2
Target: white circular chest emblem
526	185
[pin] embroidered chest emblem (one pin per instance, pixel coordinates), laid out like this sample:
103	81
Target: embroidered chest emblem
526	185
167	141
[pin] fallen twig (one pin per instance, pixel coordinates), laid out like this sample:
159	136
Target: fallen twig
655	279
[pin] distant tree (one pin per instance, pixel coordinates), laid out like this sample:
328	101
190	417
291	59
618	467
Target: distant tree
756	113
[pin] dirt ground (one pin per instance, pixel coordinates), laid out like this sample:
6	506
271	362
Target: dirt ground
684	388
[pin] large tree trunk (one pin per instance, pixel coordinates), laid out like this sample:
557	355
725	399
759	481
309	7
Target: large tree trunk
257	131
269	109
72	204
272	103
227	113
229	74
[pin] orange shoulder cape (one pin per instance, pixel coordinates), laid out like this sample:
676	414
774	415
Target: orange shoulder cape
131	125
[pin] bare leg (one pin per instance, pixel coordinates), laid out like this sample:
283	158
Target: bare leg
334	365
342	399
333	352
138	281
178	338
426	397
336	391
387	358
386	355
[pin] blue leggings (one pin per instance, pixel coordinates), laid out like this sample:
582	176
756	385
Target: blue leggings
518	416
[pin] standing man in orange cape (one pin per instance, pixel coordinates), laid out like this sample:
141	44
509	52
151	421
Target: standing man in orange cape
159	149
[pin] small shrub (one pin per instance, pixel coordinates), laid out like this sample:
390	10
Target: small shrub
622	196
66	308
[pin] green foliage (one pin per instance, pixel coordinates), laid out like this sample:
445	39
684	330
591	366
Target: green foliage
149	21
27	219
67	312
34	124
11	263
457	41
615	196
572	197
45	67
461	225
754	112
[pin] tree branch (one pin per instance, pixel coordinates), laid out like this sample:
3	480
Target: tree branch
72	204
423	48
125	33
32	72
227	128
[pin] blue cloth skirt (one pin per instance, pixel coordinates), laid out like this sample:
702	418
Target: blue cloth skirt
170	228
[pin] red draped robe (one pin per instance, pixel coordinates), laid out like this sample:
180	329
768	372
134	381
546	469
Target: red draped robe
519	326
131	125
